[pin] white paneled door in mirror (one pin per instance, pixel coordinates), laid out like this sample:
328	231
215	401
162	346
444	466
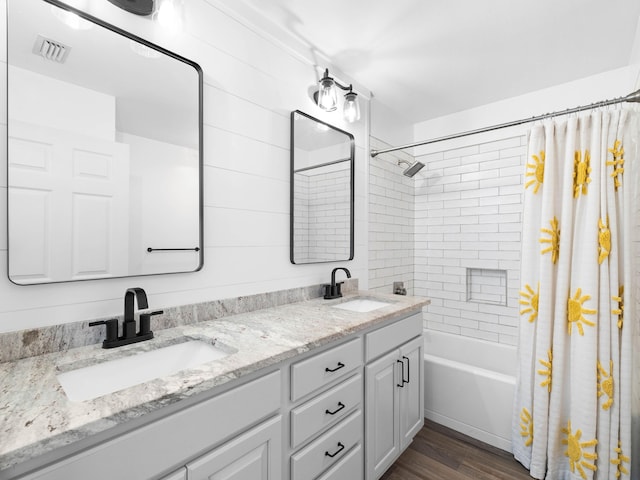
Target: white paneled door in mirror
74	192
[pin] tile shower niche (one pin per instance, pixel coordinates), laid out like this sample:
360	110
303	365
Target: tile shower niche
487	286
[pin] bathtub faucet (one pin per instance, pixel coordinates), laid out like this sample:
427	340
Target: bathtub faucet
334	289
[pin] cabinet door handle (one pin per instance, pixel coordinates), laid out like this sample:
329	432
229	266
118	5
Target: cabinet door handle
401	385
331	370
408	370
340	448
340	407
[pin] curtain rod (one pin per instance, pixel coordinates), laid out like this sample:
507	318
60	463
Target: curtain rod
632	97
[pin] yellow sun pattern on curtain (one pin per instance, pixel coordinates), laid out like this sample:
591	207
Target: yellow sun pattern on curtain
581	172
576	312
620	310
581	454
526	426
530	301
605	384
546	373
619	460
537	172
604	240
553	241
617	163
578	458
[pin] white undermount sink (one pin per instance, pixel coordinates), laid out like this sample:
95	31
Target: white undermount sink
361	305
93	381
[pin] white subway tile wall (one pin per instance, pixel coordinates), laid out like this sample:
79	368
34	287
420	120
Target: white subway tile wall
468	215
391	221
322	197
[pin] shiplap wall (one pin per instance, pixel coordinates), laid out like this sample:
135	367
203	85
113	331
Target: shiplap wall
252	83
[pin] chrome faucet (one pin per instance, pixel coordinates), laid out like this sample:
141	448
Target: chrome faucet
334	289
129	334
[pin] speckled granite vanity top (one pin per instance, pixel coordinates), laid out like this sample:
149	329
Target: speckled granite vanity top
36	417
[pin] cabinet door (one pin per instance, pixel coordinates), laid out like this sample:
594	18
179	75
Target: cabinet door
255	455
381	417
411	396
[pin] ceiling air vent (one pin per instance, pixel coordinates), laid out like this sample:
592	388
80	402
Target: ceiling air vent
51	49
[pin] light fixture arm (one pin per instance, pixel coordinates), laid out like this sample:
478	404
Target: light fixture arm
336	83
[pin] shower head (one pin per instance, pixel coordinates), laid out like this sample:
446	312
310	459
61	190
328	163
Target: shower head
412	169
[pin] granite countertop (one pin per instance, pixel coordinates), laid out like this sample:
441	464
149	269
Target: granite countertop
36	417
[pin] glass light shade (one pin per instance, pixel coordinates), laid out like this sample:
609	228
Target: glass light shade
351	110
327	95
169	15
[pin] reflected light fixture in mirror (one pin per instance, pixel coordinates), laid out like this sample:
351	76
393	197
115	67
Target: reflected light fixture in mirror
327	98
70	19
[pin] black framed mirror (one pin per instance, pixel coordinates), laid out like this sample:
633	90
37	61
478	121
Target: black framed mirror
104	150
322	191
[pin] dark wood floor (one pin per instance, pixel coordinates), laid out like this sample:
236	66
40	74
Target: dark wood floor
439	453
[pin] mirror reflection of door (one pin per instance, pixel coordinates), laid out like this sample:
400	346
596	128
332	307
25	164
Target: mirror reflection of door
75	192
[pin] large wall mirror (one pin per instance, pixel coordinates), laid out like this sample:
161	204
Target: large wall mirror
104	150
322	196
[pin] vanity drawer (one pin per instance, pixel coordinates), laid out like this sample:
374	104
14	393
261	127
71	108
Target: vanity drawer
387	338
350	467
328	449
325	409
319	370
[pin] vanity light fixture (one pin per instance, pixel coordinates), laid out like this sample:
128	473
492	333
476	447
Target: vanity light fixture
327	98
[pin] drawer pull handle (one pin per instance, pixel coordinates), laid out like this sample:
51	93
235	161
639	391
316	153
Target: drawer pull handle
401	385
340	448
408	370
340	407
331	370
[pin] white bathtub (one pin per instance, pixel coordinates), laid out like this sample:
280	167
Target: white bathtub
469	386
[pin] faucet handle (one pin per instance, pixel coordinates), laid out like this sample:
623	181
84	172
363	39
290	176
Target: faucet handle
333	291
112	328
145	323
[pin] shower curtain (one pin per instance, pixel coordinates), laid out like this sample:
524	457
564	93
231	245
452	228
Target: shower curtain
572	408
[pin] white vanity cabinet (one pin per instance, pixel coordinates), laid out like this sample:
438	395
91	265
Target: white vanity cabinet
393	393
344	412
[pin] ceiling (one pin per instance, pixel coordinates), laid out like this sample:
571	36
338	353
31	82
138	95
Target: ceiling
426	58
